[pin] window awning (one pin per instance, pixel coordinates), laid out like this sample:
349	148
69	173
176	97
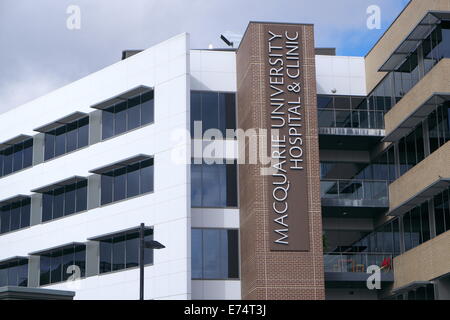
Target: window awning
12	260
121	97
411	42
60	122
421	197
18	139
417	116
59	184
120	233
62	247
16	198
121	164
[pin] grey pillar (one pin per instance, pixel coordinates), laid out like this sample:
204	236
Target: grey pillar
36	209
95	127
93	191
38	148
33	271
92	258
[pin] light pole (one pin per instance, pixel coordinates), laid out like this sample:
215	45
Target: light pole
152	244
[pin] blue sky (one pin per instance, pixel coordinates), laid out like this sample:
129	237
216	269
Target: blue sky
39	54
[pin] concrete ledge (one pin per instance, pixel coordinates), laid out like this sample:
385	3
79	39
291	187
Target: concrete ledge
428	172
426	262
435	81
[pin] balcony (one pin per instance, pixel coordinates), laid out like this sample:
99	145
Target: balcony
354	119
352	267
350	129
355	193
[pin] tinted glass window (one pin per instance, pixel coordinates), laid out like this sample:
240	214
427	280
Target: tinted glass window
16	157
147	108
14	273
146	176
83	132
107	182
132	250
59	264
106	256
108	123
120	180
122	251
215	110
72	137
15	216
120	118
60	141
64	201
215	254
118	252
133	180
49	146
126	182
66	138
214	185
133	113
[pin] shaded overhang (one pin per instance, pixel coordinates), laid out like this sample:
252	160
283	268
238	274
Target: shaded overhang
15	259
424	195
13	199
121	164
411	286
47	252
415	118
18	139
121	97
59	184
108	236
412	41
27	293
60	122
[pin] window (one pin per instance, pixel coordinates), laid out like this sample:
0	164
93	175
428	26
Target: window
416	226
216	110
442	211
14	272
127	181
15	216
214	185
215	254
128	115
66	138
58	265
121	251
350	112
64	201
16	157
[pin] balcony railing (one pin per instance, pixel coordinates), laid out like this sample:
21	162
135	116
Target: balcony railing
357	262
359	119
376	190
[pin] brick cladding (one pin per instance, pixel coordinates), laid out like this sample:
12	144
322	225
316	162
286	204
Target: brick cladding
265	274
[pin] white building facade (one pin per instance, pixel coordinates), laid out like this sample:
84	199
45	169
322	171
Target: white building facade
83	169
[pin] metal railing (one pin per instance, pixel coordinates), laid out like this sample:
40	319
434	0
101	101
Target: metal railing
357	262
354	189
360	119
